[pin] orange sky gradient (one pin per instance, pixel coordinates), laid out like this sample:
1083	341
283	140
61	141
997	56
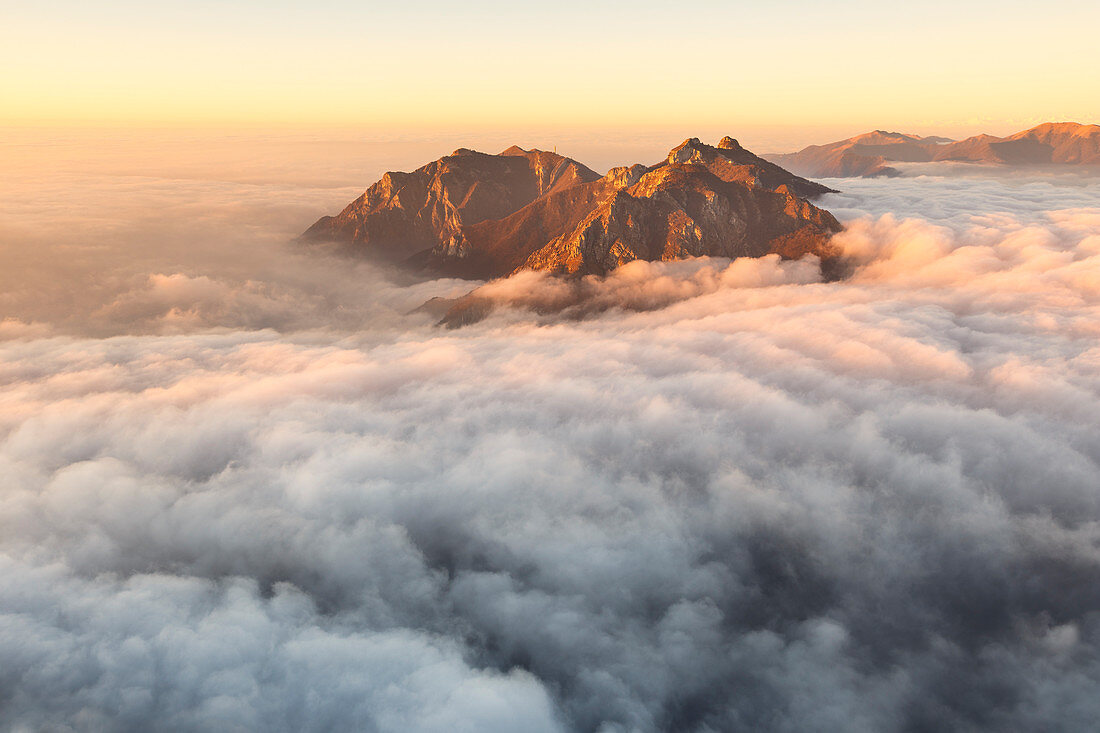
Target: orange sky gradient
845	67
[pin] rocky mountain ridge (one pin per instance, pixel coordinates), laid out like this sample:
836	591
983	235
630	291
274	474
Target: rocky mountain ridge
471	214
870	154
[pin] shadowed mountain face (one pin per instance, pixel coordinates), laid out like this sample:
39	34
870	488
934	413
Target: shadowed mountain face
477	215
406	213
862	155
1066	143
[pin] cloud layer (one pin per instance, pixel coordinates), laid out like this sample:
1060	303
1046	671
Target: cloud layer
729	498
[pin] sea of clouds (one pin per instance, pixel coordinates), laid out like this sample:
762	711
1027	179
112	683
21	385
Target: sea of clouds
248	486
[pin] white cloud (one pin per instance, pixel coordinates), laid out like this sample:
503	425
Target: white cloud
726	496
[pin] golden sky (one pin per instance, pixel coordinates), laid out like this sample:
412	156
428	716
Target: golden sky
981	65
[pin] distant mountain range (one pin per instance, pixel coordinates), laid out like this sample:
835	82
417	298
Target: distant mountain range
1067	143
472	214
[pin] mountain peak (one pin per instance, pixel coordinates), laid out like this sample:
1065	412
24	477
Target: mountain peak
868	154
626	176
1060	130
731	162
685	151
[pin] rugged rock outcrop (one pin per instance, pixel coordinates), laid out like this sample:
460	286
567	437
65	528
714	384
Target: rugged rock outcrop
683	210
471	214
1067	143
731	162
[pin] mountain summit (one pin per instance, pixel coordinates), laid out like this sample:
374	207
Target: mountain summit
472	214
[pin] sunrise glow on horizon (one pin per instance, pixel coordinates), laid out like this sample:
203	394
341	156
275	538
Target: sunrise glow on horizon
981	65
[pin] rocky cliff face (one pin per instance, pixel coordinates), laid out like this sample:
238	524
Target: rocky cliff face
682	209
1065	143
478	215
404	214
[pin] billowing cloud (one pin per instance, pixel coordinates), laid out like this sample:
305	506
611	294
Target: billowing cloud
637	285
729	498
